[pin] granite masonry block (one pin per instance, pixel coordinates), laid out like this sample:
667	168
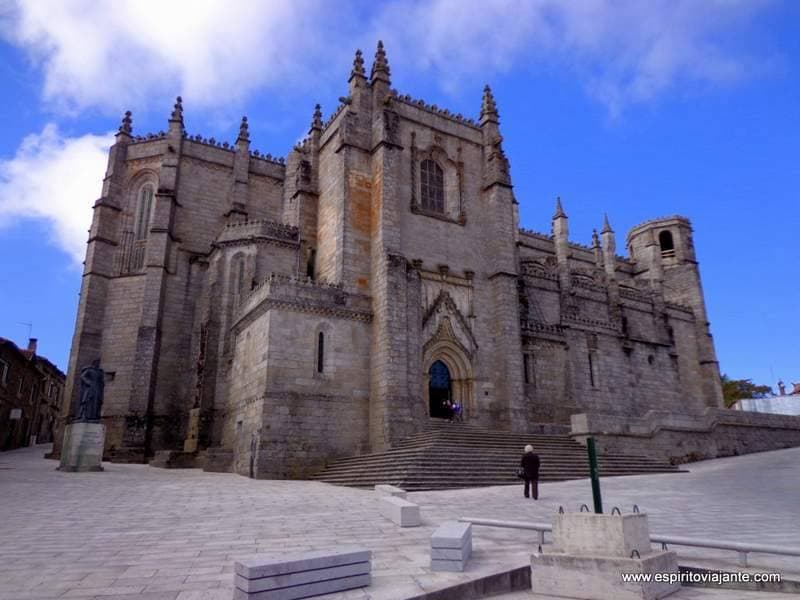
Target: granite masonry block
302	575
256	567
451	534
400	511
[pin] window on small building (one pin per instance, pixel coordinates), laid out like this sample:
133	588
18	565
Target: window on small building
665	241
592	370
431	186
320	352
3	372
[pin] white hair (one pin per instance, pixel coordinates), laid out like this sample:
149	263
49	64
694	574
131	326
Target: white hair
528	449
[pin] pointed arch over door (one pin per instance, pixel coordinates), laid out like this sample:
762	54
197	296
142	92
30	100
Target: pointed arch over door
446	349
439	390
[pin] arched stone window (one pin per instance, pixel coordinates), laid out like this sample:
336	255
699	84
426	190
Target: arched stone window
141	225
431	186
665	241
144	211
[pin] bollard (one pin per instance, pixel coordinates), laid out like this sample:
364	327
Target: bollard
598	500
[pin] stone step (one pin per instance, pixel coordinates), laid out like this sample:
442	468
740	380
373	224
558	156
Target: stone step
501	466
454	455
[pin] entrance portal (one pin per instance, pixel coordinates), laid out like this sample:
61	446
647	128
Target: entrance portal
439	390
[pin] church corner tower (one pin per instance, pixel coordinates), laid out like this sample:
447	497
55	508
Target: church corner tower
664	254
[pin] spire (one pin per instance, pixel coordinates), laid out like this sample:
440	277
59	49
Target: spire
316	120
560	214
244	132
595	239
177	113
125	127
606	225
358	66
380	66
488	106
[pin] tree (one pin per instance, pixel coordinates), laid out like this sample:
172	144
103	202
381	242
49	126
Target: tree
737	389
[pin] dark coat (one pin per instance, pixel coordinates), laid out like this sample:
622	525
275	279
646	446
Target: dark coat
530	464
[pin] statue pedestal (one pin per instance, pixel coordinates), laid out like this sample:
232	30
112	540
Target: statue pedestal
82	449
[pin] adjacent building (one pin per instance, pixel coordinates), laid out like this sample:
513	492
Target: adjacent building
31	395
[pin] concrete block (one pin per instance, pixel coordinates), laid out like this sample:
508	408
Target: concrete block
451	534
307	590
259	566
438	564
451	546
589	534
453	553
399	511
285	580
390	490
598	578
82	449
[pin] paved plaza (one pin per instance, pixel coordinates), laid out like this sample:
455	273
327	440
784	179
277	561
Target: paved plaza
144	533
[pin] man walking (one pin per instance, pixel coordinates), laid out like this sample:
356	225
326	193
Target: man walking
530	469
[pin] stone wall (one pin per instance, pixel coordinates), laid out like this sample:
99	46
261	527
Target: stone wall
287	413
682	438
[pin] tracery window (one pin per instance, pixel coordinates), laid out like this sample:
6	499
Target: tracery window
141	228
431	186
144	210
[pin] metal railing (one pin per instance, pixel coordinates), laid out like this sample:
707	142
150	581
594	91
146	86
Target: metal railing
743	548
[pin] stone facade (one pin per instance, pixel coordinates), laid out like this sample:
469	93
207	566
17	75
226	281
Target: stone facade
290	311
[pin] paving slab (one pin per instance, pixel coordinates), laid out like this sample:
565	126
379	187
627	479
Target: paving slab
184	529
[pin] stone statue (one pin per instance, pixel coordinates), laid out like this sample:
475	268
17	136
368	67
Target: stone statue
781	388
91	399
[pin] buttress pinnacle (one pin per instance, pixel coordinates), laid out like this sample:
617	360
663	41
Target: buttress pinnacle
244	131
177	113
358	65
606	225
381	65
488	106
126	127
559	210
316	120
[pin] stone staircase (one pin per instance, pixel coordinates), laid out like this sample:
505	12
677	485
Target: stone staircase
456	455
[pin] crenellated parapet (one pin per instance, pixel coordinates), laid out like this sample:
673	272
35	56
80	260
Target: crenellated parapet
434	109
260	231
287	292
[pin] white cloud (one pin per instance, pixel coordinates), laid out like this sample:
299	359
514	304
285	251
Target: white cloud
56	179
625	51
128	51
215	52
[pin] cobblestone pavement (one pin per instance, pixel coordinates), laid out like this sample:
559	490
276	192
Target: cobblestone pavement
143	533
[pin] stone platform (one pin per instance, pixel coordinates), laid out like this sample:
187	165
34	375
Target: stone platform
139	533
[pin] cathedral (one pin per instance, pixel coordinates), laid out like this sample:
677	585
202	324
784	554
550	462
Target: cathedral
271	314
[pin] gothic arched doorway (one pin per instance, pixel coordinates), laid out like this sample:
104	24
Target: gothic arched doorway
439	390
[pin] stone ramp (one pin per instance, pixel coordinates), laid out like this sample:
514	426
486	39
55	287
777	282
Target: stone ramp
456	455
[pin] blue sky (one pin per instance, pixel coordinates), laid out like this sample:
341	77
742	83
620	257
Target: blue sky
637	109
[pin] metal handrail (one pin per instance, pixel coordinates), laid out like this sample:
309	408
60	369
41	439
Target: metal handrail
743	548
